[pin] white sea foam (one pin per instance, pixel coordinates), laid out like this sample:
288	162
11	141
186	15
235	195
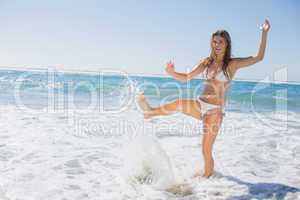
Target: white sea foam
88	156
146	162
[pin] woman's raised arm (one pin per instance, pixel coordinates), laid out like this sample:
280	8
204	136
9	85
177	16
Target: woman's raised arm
244	62
198	69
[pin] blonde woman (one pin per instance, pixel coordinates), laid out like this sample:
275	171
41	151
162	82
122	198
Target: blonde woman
218	70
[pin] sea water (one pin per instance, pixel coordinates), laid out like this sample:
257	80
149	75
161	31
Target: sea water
81	136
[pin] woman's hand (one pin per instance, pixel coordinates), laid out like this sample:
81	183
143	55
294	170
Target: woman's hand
265	26
170	68
244	62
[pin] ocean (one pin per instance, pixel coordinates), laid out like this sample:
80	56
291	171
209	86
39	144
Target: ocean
80	135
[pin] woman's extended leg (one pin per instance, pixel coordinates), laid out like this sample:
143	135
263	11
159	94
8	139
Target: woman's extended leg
211	125
188	107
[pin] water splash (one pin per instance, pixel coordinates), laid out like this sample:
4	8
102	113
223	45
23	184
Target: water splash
146	162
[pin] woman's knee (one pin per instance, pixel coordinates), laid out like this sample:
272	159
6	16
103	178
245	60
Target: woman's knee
179	103
207	150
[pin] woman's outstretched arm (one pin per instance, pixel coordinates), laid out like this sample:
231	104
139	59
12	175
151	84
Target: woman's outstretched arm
243	62
198	69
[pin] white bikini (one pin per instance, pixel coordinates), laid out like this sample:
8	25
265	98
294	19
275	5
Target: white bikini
220	76
205	107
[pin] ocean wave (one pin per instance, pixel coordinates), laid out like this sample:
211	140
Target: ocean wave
242	95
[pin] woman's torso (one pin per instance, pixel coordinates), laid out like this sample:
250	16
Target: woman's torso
216	86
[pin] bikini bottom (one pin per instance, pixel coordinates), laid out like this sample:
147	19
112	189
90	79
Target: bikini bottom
205	107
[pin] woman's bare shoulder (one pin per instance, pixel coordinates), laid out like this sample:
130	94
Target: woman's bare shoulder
232	67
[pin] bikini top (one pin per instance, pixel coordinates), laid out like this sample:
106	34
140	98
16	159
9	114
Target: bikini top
220	76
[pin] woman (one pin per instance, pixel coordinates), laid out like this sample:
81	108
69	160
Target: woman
218	70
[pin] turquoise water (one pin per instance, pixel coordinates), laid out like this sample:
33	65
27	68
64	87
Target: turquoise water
39	89
89	154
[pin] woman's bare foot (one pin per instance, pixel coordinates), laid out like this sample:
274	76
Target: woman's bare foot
200	175
144	105
207	175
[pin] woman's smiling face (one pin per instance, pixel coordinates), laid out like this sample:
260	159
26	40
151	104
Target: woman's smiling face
219	45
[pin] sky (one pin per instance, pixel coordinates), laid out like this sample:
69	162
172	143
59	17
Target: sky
141	36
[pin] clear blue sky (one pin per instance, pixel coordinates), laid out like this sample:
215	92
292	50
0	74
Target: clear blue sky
141	36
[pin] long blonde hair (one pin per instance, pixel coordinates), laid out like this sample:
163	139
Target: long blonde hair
227	57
